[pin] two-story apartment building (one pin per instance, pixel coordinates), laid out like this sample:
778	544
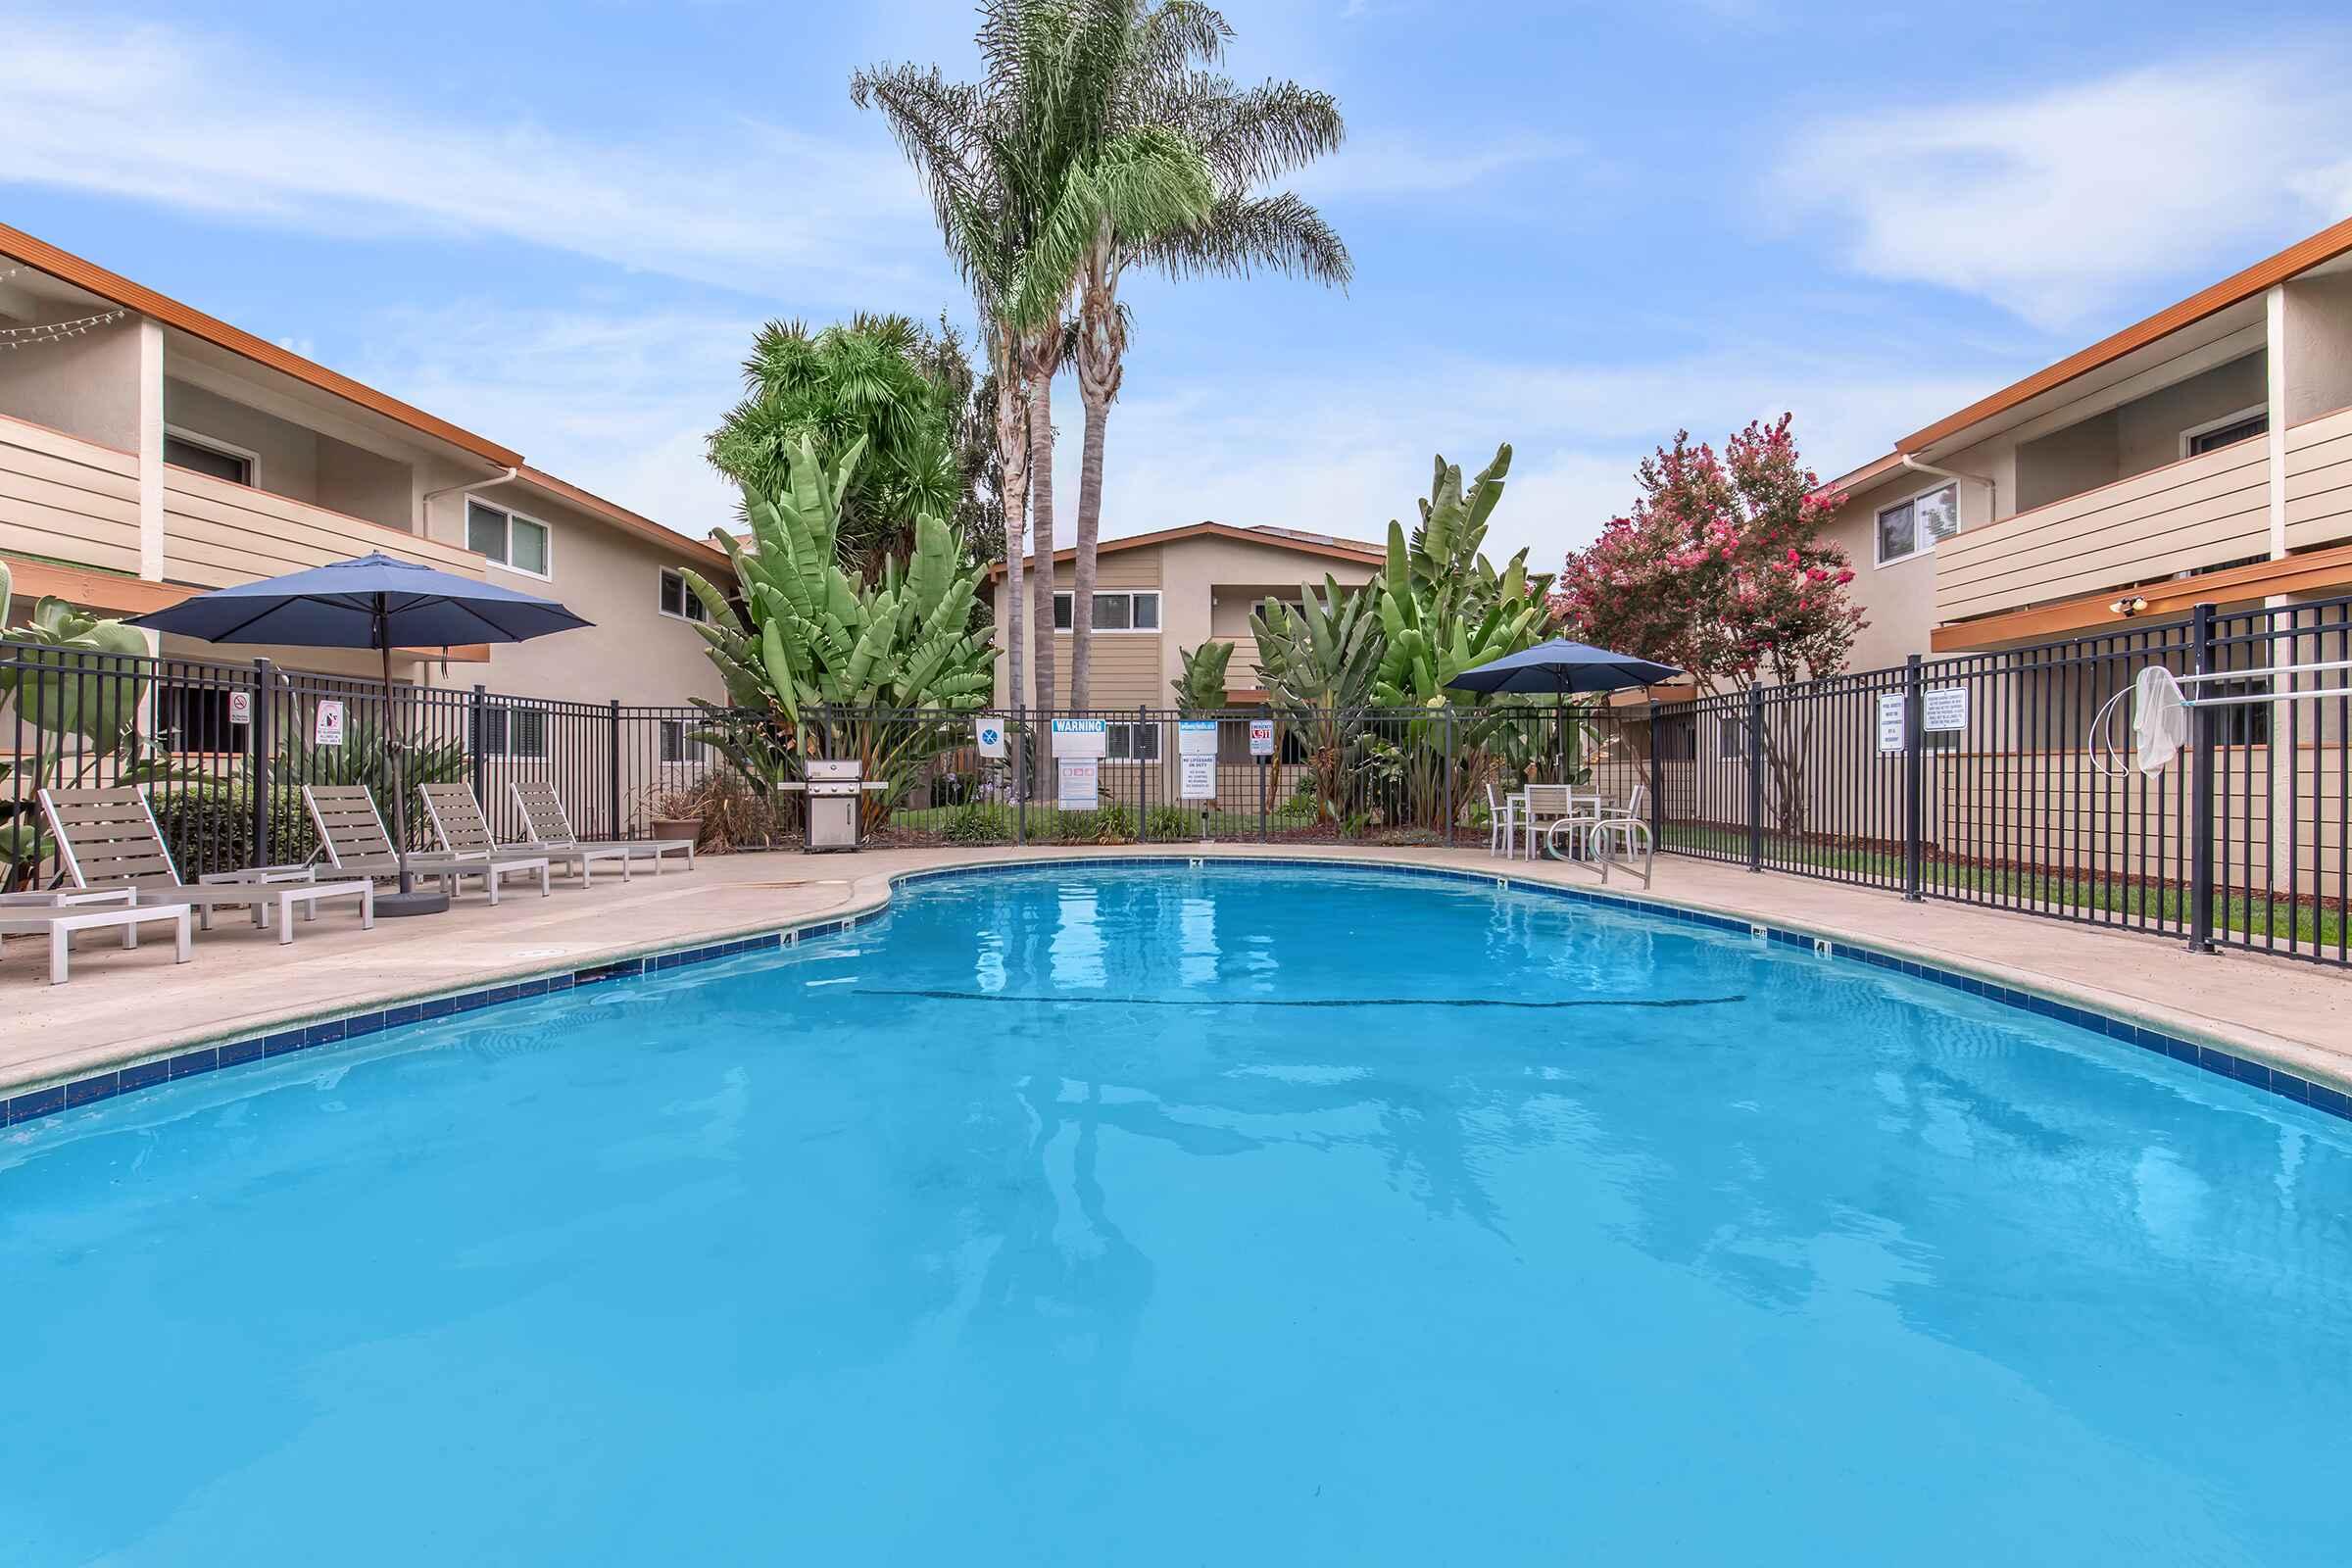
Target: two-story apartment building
2204	454
149	451
1157	595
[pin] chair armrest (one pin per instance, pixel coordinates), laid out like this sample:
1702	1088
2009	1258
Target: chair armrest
260	875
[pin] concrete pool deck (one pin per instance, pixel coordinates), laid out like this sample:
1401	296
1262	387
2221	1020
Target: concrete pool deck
121	1009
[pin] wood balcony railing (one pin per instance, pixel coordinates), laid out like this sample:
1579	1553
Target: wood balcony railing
2192	515
2319	481
66	498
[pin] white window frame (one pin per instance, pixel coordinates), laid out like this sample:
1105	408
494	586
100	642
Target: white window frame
228	449
689	750
696	613
1131	725
1159	608
2223	424
1921	545
513	518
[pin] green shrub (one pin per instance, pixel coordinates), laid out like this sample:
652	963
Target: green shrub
980	822
1171	822
209	827
1112	824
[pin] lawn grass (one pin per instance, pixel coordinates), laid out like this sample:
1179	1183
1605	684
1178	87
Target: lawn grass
2162	907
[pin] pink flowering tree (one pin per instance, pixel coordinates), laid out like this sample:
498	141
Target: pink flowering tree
1722	570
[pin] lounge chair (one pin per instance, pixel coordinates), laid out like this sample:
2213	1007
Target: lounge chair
353	833
551	828
463	831
107	838
59	923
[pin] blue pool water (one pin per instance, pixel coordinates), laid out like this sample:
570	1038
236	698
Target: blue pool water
1024	1226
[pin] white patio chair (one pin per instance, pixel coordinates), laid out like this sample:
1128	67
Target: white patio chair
464	832
107	838
1550	804
1501	826
551	828
353	833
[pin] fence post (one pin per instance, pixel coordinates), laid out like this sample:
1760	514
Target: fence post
1266	766
1657	782
612	783
1915	769
257	735
1755	777
2200	789
1449	767
474	706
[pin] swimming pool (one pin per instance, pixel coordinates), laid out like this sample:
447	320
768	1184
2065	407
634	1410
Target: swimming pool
1169	1214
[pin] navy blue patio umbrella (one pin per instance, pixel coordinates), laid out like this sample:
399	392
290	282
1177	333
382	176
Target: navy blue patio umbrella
1560	666
373	601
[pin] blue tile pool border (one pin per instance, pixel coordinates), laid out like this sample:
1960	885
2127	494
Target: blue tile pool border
53	1098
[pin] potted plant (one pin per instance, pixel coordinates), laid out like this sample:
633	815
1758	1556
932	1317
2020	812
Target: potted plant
675	813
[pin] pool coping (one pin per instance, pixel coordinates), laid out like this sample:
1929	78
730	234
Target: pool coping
872	897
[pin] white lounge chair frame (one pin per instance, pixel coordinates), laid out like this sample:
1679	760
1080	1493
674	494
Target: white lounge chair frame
352	831
463	830
60	923
551	828
108	839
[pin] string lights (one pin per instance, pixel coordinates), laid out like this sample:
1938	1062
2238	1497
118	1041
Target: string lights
17	337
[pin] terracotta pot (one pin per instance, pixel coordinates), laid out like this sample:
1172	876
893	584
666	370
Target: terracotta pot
689	828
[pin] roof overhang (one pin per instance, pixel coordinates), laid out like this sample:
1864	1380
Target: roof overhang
116	289
1360	555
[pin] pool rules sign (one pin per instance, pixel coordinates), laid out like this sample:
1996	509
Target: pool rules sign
1197	757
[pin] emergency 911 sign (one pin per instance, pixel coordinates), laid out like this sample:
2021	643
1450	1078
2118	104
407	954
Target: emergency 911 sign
1261	737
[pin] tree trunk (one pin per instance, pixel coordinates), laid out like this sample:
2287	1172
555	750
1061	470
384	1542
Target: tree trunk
1012	458
1101	343
1041	507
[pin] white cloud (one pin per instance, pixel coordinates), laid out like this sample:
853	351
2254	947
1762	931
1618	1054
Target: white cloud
618	405
1346	453
184	121
2054	203
1384	164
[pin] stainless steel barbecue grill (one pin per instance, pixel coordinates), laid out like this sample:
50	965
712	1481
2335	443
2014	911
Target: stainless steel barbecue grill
834	789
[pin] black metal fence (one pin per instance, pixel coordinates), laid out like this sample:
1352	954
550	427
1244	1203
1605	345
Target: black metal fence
1965	778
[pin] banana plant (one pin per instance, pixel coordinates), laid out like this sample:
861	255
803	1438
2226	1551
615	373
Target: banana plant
1318	662
75	690
1201	684
812	639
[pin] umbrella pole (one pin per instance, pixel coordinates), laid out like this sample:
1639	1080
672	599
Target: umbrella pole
407	901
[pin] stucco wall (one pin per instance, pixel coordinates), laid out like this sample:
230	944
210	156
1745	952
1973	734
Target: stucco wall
2319	347
2147	430
84	386
632	652
1898	600
2065	463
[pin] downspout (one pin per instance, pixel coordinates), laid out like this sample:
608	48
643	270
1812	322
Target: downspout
424	517
1991	491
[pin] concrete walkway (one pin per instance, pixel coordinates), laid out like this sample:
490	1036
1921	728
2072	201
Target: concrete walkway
125	1007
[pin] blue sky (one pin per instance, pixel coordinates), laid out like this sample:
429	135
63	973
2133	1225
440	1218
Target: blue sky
1575	227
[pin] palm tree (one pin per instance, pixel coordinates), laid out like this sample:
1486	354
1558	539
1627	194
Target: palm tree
1247	137
881	379
1022	169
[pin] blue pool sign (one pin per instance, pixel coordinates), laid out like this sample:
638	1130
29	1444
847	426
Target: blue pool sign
988	734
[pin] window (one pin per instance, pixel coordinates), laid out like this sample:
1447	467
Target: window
1678	740
194	718
1912	527
198	455
2226	431
1133	742
512	540
514	732
677	746
680	600
1117	610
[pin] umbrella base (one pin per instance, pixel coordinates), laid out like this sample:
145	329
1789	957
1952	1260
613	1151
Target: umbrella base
392	906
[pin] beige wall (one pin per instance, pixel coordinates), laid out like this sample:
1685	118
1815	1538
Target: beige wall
2318	346
2148	429
1207	587
84	386
294	460
633	654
